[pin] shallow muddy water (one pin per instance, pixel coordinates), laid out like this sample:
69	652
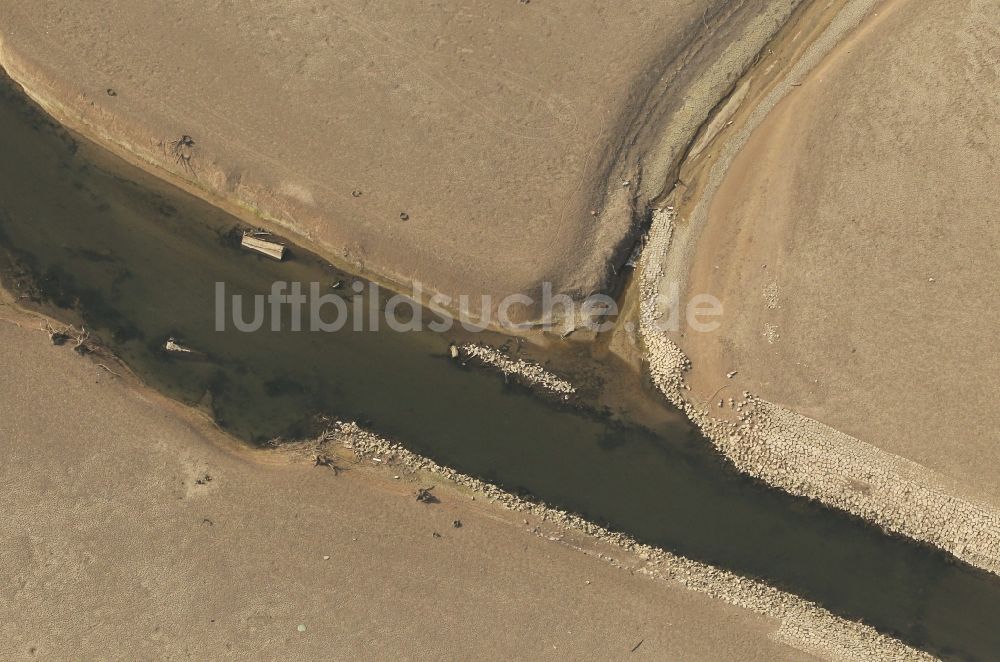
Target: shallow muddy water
136	259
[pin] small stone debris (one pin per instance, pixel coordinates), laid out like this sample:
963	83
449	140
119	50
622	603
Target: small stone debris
301	627
356	193
457	524
111	92
436	534
204	480
930	280
403	216
326	558
730	375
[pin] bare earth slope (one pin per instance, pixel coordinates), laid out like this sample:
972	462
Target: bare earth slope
848	190
854	244
494	128
111	548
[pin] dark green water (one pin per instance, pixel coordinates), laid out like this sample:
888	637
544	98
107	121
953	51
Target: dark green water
138	260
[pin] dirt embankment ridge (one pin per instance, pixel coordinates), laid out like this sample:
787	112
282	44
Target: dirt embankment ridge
852	267
517	140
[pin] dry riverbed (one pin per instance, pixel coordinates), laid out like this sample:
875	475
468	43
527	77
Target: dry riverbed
175	540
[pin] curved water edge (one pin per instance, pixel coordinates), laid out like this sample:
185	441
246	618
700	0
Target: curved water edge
781	447
136	260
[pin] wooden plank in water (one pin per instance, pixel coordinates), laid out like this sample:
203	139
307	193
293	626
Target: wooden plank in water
268	248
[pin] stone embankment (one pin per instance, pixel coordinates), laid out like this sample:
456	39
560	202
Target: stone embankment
805	457
525	372
804	625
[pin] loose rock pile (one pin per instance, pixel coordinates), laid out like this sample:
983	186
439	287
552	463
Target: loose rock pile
530	374
807	458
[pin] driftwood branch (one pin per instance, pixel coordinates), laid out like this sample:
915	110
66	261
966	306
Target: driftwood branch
59	337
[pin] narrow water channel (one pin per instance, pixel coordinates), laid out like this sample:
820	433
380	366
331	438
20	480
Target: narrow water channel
87	236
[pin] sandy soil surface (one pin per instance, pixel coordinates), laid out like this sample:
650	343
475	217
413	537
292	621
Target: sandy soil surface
853	246
112	549
495	129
